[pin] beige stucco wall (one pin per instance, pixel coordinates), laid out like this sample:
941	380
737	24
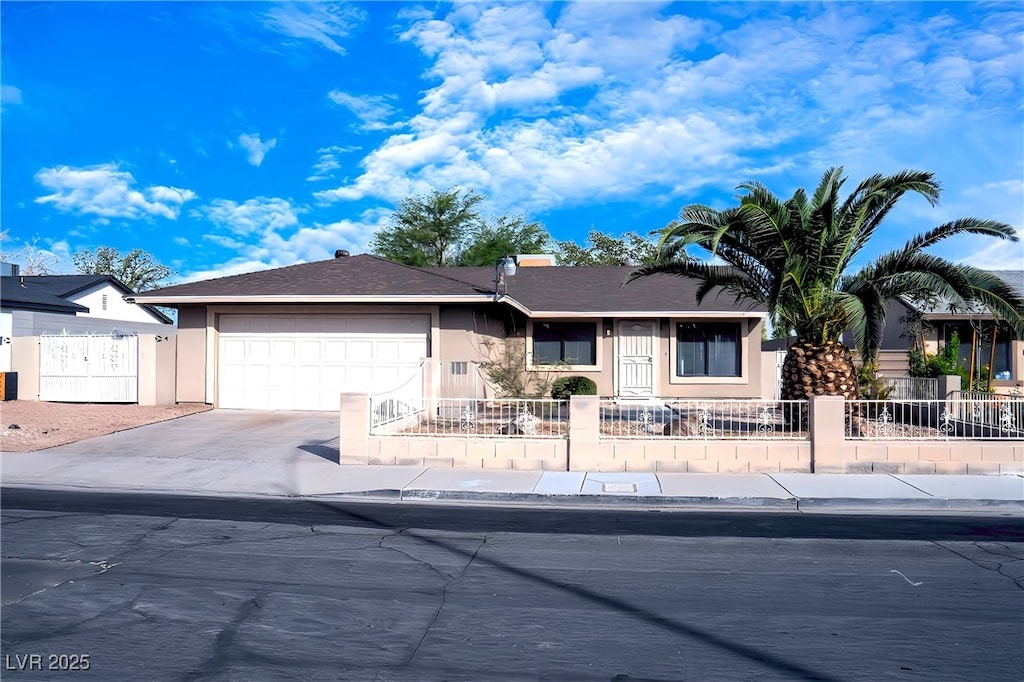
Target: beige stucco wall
156	368
25	361
465	333
190	380
157	355
461	333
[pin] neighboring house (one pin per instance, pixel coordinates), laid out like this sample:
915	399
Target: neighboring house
33	305
296	337
974	328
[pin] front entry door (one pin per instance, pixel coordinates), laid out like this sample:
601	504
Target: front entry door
636	358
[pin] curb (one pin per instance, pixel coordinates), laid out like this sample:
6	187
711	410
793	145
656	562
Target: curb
909	504
606	500
554	499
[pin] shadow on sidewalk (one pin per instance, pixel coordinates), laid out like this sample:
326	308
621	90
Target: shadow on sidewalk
327	449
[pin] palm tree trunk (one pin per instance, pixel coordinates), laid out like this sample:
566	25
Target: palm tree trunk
811	369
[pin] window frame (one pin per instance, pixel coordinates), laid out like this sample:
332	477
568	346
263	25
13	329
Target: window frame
532	363
743	350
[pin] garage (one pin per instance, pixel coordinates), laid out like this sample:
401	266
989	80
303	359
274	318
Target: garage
304	362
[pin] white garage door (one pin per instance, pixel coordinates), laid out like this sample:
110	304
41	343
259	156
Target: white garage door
303	362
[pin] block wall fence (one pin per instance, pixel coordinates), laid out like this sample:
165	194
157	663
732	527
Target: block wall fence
826	451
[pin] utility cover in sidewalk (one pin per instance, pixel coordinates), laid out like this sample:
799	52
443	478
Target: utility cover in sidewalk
621	483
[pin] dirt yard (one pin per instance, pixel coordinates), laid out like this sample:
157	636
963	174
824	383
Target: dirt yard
27	425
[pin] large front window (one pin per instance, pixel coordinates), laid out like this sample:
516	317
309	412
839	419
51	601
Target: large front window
572	343
708	349
979	340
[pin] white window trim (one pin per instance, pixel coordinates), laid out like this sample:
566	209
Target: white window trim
598	351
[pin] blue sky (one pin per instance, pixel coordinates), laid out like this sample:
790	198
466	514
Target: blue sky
232	137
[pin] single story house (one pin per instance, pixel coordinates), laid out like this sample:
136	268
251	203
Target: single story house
296	337
33	305
974	329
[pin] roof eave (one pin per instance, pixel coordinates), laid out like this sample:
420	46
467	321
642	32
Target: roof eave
291	298
648	313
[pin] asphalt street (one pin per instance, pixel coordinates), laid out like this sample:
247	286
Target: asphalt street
152	587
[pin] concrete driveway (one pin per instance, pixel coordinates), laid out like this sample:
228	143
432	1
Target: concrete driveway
222	435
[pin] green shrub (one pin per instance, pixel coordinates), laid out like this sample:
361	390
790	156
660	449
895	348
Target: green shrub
567	386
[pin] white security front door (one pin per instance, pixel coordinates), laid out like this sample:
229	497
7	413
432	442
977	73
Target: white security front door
636	358
304	362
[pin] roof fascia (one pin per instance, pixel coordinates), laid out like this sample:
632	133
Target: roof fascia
648	313
329	298
102	279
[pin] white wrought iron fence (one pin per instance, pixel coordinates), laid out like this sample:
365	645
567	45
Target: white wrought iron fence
913	388
399	402
705	419
471	417
955	418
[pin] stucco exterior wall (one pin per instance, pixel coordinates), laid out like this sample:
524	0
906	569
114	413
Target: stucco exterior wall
25	361
475	334
466	333
157	356
190	375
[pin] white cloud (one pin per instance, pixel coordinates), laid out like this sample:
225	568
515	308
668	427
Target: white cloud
324	23
372	110
542	107
998	255
10	95
255	216
327	162
256	149
266	233
107	191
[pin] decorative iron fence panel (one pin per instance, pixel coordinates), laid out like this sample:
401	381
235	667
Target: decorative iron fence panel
969	418
705	419
470	417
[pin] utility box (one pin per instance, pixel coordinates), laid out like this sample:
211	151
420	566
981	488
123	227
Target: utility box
8	385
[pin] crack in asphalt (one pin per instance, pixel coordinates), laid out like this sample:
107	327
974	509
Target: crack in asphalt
444	597
980	563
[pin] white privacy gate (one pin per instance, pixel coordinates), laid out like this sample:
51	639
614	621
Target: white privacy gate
89	369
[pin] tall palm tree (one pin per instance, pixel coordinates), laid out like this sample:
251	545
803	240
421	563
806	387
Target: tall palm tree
795	257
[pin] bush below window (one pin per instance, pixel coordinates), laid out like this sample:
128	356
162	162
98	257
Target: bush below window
567	386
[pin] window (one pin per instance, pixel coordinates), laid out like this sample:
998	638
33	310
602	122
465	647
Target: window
460	368
574	343
708	349
983	353
104	304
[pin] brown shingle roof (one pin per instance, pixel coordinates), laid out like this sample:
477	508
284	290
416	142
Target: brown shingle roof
569	289
598	290
362	275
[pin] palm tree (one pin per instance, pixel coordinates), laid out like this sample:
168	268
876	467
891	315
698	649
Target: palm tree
795	258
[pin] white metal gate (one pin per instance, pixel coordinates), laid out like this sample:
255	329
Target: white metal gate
780	359
89	369
636	359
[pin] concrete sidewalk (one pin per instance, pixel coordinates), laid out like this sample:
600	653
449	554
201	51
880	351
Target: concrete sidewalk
301	473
